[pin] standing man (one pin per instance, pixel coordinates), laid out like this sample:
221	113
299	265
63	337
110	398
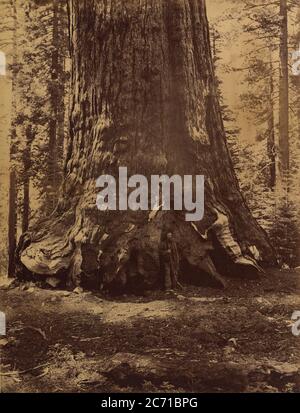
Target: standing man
170	262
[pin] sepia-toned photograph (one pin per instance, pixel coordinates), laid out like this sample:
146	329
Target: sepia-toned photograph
150	199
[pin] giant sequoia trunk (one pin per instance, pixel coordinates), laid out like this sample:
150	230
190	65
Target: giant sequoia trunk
144	97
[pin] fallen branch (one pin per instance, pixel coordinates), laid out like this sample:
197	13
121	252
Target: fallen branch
90	338
38	330
12	373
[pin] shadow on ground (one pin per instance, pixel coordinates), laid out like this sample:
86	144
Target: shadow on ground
198	339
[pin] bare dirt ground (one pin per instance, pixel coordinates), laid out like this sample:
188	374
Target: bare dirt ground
197	340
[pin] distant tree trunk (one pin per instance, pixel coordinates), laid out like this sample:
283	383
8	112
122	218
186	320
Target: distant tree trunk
56	92
12	223
284	94
271	131
26	178
12	199
144	97
26	207
297	78
214	37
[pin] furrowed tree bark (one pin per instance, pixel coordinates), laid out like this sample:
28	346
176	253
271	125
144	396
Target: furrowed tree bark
144	97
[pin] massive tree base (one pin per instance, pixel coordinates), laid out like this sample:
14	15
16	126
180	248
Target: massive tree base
145	98
123	253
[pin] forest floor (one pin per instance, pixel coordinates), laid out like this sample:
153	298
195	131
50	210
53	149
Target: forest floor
197	340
